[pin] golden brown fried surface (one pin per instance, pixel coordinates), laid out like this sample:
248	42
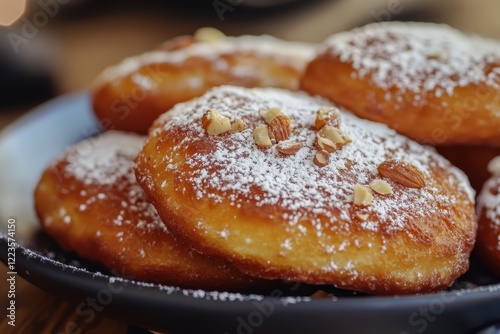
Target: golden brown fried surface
132	94
488	233
90	203
280	216
426	81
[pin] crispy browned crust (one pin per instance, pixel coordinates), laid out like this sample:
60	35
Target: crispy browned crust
426	256
471	118
96	221
120	103
488	233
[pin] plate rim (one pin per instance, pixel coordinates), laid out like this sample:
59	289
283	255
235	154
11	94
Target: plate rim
462	298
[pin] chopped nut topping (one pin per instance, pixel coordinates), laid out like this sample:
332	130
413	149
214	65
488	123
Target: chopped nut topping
438	55
362	217
214	123
326	144
237	126
362	195
494	166
261	136
381	187
280	128
270	114
288	148
209	35
403	173
327	116
335	135
321	158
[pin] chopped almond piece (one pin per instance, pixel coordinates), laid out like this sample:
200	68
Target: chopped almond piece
362	195
261	136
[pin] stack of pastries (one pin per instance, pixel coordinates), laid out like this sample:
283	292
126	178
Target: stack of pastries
257	167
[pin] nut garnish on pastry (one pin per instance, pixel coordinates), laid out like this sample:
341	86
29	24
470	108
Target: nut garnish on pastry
214	123
335	135
270	114
362	195
381	187
321	158
288	148
279	124
280	128
362	217
209	35
326	144
438	56
327	116
237	126
261	136
403	173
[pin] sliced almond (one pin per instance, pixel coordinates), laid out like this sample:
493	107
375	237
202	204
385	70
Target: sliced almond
403	173
321	158
288	148
438	55
208	35
335	135
214	123
280	128
270	114
261	136
327	116
325	144
237	126
362	217
494	166
362	195
381	187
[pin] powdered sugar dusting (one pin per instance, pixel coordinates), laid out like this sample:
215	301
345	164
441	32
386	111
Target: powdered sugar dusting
295	54
418	57
101	159
108	160
236	169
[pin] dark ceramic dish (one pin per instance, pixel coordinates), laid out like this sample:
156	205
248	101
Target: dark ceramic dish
31	143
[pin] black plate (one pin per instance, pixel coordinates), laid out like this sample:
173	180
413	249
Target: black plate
31	143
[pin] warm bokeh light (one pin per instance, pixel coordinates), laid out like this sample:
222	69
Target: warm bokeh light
11	11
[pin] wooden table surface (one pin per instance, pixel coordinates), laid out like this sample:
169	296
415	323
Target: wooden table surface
40	313
107	38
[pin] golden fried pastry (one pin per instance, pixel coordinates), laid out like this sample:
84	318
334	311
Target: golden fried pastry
488	233
90	203
427	81
286	186
132	94
472	160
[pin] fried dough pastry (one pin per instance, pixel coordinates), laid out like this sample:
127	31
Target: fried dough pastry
427	81
488	233
280	184
132	94
89	201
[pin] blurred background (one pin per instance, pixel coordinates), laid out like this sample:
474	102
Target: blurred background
52	47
